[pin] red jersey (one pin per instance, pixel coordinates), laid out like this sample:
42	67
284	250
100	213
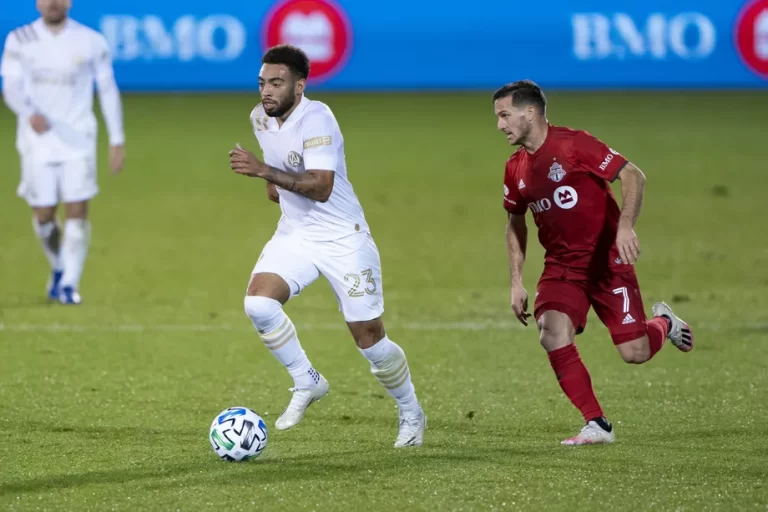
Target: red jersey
566	186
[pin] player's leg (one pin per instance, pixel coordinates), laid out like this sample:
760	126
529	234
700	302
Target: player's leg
281	273
619	305
390	367
77	181
38	187
353	268
74	250
48	231
561	312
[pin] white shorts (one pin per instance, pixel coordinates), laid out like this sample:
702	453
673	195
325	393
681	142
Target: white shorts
351	265
50	183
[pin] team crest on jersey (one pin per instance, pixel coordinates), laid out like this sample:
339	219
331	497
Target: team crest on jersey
294	159
556	172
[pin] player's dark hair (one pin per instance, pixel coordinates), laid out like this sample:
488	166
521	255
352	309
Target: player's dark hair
523	93
290	56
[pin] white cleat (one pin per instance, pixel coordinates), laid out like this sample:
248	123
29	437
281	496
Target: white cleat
680	333
592	433
411	430
302	398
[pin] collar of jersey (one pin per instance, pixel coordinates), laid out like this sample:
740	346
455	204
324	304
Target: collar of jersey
302	106
40	25
550	129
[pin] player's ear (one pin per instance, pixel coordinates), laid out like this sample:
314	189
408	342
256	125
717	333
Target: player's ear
301	84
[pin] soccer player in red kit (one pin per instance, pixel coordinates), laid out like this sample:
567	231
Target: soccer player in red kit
563	176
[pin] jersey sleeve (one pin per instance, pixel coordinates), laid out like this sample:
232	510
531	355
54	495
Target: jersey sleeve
593	156
10	65
321	140
109	94
513	200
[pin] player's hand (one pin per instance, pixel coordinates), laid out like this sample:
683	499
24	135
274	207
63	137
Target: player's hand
628	244
519	302
116	159
245	163
39	124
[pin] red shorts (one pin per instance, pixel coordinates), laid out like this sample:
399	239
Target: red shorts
615	298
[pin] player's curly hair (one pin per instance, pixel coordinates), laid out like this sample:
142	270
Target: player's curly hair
290	56
523	92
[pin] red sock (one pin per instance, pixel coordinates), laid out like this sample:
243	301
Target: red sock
575	381
658	328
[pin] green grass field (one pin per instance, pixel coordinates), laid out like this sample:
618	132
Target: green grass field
107	406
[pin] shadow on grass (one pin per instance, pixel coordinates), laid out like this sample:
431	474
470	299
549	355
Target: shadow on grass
384	460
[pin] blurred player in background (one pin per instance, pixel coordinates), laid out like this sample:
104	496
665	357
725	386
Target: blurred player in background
49	68
563	176
322	231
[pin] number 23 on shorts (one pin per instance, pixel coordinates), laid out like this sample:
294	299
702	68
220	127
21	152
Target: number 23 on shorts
356	280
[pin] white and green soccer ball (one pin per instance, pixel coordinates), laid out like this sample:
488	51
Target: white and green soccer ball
238	434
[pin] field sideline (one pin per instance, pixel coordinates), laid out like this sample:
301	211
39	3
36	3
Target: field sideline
107	406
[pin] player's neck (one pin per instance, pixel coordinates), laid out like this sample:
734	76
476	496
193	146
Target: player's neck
55	28
537	137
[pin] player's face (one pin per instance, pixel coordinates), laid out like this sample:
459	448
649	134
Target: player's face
54	11
279	89
513	121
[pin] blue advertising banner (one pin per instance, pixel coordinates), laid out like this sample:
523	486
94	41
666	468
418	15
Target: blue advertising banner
430	44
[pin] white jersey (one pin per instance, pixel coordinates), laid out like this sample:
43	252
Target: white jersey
310	139
53	75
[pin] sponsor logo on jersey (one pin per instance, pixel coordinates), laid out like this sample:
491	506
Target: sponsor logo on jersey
604	165
316	142
751	36
521	185
540	206
294	159
319	27
556	172
506	190
566	197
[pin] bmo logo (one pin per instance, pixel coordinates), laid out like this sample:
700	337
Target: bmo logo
752	36
540	206
566	197
319	27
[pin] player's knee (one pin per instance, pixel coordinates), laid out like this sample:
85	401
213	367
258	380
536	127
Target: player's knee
634	352
553	337
367	334
262	311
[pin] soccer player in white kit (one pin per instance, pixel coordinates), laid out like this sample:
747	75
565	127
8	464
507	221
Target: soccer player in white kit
49	68
322	231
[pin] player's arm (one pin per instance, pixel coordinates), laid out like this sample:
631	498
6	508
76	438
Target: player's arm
596	158
111	105
632	188
272	193
517	243
313	184
14	93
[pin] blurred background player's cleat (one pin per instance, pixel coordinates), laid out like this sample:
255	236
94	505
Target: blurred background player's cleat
301	400
592	433
69	296
54	284
680	333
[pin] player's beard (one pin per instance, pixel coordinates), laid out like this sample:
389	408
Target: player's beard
281	107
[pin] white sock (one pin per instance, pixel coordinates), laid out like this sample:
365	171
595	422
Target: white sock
74	250
49	235
389	366
279	336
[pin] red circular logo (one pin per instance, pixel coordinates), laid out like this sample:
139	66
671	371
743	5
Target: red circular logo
319	27
752	36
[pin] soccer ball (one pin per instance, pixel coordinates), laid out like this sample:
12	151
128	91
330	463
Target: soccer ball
238	434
